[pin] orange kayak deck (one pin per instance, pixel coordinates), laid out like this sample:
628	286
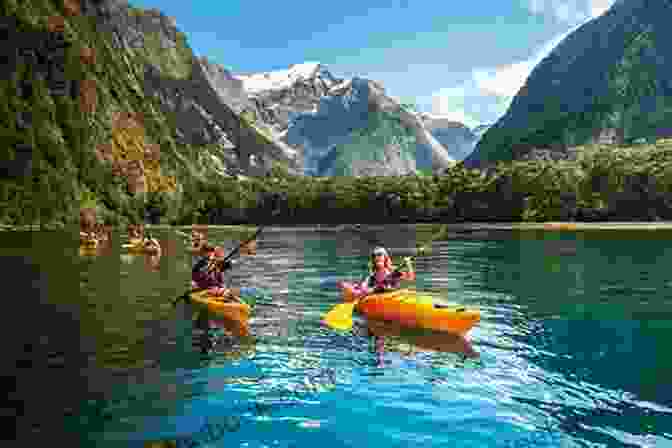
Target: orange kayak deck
416	310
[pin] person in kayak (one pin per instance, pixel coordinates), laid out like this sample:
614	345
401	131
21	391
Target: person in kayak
201	258
87	239
198	242
383	276
135	232
212	277
152	245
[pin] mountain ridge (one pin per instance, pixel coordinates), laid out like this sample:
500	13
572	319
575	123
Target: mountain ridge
608	81
285	100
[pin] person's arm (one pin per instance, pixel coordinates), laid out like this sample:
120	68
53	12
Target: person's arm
363	287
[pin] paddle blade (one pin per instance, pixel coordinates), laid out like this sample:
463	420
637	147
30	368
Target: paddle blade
340	317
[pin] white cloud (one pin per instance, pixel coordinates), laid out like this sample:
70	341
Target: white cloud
488	92
569	11
599	7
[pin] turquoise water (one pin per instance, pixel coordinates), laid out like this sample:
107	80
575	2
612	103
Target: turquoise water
571	351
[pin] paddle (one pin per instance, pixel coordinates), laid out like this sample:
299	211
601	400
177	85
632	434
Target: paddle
232	254
340	317
227	258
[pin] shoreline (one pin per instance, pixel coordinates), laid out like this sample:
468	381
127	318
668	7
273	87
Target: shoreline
548	226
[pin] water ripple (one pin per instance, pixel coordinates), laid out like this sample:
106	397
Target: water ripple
571	349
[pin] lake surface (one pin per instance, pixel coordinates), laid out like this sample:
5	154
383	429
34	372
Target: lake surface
571	350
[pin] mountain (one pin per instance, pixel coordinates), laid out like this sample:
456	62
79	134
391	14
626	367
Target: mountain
280	96
342	127
104	97
457	138
609	81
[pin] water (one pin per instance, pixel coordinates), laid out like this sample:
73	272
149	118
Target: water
571	350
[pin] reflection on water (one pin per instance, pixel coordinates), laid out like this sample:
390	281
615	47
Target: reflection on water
571	349
390	336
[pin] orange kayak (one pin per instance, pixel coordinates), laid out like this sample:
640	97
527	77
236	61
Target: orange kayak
415	310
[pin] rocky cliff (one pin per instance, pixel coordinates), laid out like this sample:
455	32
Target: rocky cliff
608	82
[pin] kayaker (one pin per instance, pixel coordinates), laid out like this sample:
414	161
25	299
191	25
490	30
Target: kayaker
87	238
383	276
201	258
135	232
102	233
199	244
249	249
212	278
152	245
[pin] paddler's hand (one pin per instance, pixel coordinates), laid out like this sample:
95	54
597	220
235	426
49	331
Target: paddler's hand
220	292
409	263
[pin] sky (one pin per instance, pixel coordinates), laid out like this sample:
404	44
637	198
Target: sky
462	60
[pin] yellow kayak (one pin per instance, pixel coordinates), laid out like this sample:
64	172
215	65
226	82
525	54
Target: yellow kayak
222	307
138	246
415	310
86	251
88	244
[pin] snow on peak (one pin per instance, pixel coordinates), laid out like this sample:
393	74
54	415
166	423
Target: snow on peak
280	79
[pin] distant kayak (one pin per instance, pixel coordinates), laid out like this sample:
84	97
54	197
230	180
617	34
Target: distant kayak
416	310
86	251
91	243
138	246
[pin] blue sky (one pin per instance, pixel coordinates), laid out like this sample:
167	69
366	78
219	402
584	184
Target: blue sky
464	60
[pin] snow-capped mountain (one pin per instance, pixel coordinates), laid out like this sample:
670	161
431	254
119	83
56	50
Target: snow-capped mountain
230	90
280	96
342	126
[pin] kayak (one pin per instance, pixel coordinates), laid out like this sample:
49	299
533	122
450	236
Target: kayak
88	247
138	247
88	244
415	310
223	308
85	251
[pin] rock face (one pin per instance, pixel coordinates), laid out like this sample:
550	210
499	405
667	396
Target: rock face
610	80
342	127
458	139
202	100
